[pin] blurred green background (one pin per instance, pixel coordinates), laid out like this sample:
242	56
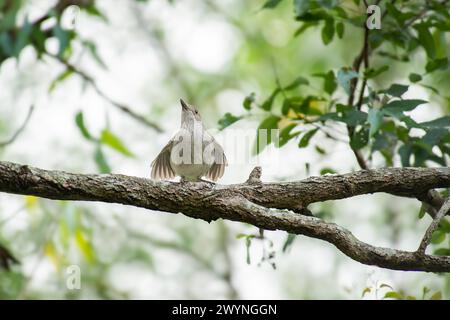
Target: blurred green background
81	67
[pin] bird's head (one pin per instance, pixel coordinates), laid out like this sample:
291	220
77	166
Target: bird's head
189	114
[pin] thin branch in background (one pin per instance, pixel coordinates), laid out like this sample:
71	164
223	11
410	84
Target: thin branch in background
363	56
19	130
421	14
227	275
127	110
366	54
40	257
154	35
6	258
433	226
276	76
146	238
328	134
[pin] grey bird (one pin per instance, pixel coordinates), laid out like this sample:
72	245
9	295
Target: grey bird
192	153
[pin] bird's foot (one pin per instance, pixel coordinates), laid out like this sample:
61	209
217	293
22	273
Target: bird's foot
184	181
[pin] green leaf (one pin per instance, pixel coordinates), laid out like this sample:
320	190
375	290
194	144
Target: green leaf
414	77
436	296
60	78
100	160
248	101
289	241
393	295
227	120
320	150
442	252
328	31
304	141
398	106
301	7
9	10
264	132
6	44
344	77
327	171
433	137
286	135
23	37
437	123
305	26
330	83
365	291
360	138
397	90
38	38
444	226
84	245
372	73
375	119
114	142
354	117
297	82
340	30
438	237
329	4
310	106
395	13
63	37
291	103
93	51
422	212
79	120
270	4
267	104
93	11
426	39
433	65
405	152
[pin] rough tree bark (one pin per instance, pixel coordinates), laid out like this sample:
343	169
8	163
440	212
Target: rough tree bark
271	206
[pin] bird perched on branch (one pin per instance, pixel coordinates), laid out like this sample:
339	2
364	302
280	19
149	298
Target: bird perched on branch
192	153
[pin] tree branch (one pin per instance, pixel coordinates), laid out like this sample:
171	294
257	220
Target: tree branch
125	109
259	204
433	226
6	258
19	130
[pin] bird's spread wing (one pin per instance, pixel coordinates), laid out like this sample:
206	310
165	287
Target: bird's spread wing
220	162
161	168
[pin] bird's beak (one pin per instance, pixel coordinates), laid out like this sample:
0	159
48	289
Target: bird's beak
184	105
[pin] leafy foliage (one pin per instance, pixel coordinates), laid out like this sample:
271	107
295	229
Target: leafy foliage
378	120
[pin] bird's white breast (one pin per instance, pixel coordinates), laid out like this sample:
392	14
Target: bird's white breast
191	162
